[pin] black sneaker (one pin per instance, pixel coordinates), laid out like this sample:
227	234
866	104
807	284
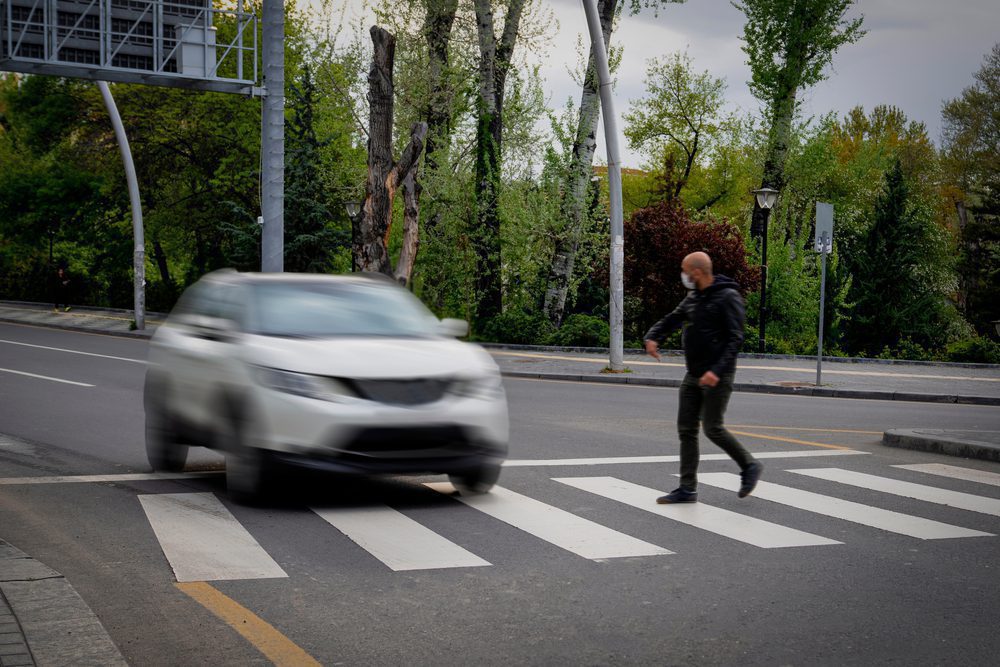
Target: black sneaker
678	496
749	478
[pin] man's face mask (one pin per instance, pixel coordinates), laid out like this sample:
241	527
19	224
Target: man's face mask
686	279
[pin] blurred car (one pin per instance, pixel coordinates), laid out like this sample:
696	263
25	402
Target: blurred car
349	374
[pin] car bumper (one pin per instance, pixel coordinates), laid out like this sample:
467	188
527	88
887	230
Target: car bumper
450	435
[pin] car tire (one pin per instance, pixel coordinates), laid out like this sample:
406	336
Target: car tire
477	481
248	469
163	451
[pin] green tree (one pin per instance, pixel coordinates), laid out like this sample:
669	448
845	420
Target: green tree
900	288
972	163
679	120
789	44
311	239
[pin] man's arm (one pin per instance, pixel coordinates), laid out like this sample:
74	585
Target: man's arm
734	314
659	331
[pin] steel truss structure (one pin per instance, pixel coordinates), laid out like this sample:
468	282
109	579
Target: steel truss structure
178	43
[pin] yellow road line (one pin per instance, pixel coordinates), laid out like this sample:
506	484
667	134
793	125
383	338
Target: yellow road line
275	646
792	440
786	369
809	430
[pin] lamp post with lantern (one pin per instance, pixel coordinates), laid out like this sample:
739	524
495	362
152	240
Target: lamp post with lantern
765	200
353	209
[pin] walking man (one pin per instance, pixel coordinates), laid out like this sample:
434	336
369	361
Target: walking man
712	315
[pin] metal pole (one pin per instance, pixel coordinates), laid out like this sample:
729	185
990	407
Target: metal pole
822	312
763	285
272	140
139	241
616	314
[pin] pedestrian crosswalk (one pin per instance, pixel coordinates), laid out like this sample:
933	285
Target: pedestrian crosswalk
203	540
717	520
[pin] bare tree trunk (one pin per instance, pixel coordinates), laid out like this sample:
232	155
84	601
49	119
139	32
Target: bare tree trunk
437	31
384	177
967	281
411	228
580	170
161	262
494	63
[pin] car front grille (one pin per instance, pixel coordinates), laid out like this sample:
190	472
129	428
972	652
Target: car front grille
401	392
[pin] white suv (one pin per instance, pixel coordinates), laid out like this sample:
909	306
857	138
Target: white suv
341	373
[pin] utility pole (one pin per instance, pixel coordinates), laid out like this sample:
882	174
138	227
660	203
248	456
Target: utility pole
138	237
272	140
616	311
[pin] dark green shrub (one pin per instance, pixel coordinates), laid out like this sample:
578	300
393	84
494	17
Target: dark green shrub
908	350
581	330
974	350
517	327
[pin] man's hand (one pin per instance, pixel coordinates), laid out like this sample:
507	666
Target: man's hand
652	349
709	379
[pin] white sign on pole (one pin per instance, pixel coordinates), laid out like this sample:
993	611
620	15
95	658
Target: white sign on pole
823	241
823	244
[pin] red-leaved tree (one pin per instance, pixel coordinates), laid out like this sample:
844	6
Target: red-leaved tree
657	240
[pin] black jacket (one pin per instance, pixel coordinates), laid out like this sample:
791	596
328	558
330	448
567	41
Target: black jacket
713	327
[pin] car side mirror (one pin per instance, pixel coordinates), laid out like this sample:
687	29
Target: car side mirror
451	327
212	328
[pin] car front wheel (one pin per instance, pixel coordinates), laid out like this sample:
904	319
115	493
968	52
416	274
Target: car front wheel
477	481
163	451
248	470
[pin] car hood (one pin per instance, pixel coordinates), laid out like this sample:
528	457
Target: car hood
370	358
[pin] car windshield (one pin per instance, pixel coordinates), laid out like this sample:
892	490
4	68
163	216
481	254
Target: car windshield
318	310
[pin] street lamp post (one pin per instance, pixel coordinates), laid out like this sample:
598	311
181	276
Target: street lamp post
765	199
353	209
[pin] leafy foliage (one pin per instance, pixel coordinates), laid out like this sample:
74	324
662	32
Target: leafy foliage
660	237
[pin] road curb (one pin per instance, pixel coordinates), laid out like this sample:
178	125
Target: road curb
49	619
941	442
144	334
756	388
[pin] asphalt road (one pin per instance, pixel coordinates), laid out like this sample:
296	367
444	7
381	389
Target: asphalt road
848	594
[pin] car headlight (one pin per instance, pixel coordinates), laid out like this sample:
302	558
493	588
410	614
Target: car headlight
302	384
484	387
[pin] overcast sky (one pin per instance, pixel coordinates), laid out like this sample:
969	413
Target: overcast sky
917	53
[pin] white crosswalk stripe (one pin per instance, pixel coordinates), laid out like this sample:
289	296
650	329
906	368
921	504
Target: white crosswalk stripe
931	494
866	515
955	472
397	540
559	527
713	519
203	541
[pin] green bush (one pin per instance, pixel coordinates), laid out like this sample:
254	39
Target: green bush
517	327
975	350
908	350
581	330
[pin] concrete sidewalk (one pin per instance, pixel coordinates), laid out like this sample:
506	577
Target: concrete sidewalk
44	621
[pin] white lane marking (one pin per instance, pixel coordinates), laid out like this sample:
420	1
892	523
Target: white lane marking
563	529
866	515
713	519
527	463
745	364
203	541
955	472
123	477
63	349
931	494
397	540
514	463
45	377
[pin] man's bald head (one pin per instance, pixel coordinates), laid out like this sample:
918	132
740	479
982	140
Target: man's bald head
697	260
698	265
